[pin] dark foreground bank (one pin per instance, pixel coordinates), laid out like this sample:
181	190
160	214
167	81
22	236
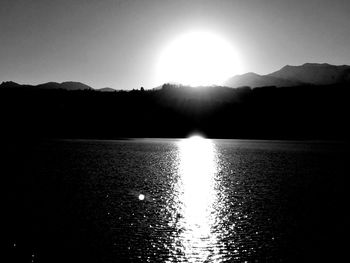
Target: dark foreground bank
304	112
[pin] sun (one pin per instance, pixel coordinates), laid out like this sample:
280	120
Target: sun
197	59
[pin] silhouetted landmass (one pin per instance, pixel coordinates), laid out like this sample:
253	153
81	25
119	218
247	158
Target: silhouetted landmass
314	73
106	89
289	76
67	85
254	80
302	112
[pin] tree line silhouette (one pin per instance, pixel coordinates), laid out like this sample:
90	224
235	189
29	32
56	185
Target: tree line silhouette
303	112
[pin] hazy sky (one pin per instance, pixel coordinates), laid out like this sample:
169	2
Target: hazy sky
117	43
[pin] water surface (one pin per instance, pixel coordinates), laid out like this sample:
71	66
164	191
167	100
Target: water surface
178	200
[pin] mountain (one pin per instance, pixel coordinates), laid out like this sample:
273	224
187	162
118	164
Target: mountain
314	73
107	89
68	85
288	76
9	84
254	80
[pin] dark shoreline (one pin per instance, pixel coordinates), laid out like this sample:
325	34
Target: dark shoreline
293	113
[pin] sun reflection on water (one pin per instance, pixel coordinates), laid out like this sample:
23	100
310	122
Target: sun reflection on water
196	197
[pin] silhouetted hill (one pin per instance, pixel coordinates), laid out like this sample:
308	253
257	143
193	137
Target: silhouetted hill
303	112
9	84
313	73
68	85
254	80
71	85
288	76
106	89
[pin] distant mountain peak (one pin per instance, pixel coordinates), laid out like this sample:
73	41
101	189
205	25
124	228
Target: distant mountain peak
106	89
254	80
67	85
9	84
73	85
250	74
315	65
287	76
314	73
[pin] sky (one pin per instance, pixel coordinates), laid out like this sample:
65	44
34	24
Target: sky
113	43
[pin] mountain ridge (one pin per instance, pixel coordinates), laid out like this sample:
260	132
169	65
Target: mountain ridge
288	76
66	85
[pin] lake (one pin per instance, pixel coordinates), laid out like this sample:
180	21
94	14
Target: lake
176	200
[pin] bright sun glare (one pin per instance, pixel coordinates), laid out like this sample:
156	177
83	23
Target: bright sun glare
198	59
